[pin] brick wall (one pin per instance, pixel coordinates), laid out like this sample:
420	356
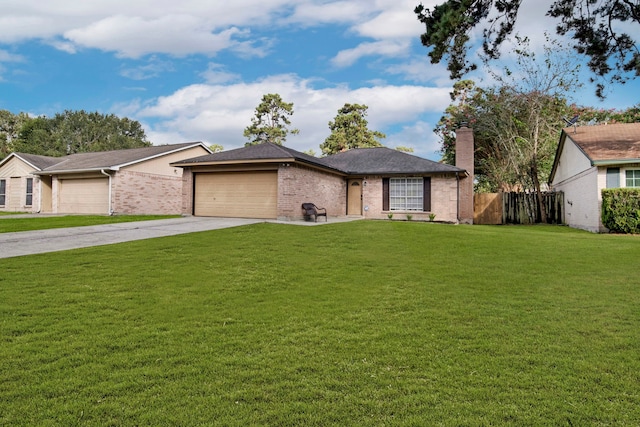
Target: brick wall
187	192
299	184
142	193
464	160
444	190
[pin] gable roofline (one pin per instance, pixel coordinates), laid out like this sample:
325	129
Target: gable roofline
184	146
31	159
556	158
267	152
602	145
93	161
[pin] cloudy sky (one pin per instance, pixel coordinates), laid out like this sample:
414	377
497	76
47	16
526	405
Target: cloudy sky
194	70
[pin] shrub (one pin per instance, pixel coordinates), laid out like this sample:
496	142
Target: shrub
621	210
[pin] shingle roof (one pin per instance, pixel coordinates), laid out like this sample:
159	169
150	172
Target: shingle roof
614	142
39	162
356	161
112	159
266	151
382	160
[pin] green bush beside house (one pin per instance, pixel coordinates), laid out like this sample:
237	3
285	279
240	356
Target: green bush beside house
621	210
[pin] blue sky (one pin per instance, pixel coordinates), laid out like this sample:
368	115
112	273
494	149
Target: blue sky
195	70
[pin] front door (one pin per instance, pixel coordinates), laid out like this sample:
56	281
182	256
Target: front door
354	197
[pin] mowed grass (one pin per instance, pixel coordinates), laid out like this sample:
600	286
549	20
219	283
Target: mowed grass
45	222
367	323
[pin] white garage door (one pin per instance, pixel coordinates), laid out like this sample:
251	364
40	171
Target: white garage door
237	194
84	196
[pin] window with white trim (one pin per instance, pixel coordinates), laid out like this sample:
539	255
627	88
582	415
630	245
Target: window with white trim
3	191
406	194
632	177
29	195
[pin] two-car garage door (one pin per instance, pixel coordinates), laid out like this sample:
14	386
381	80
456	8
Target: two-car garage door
237	194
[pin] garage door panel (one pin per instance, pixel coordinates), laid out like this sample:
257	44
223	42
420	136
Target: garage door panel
241	195
84	196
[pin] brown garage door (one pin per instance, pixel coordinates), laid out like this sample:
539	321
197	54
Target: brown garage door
84	196
237	194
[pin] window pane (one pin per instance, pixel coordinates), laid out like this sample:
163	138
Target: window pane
405	194
633	178
29	199
3	191
613	177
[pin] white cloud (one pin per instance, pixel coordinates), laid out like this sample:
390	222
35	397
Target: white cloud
310	13
134	36
6	57
137	27
218	114
419	136
153	68
395	20
388	48
422	70
216	74
10	57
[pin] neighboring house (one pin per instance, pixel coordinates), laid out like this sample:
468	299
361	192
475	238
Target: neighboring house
133	181
589	159
271	181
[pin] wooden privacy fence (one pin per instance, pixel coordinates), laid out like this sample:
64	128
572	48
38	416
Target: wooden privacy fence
516	208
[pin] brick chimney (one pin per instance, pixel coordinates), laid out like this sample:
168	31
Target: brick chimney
464	160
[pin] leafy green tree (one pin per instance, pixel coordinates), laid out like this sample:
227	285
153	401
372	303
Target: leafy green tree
350	130
516	124
216	148
271	121
10	125
404	149
592	116
79	132
35	137
595	26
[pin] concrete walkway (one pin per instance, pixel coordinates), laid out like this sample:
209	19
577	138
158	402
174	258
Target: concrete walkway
60	239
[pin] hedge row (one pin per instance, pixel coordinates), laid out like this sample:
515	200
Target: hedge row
621	210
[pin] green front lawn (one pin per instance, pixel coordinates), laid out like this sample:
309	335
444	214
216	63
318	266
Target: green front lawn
367	323
45	222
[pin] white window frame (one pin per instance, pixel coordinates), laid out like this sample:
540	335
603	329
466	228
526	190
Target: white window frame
635	179
3	192
28	200
406	194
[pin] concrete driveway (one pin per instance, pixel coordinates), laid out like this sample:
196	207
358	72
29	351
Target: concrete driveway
60	239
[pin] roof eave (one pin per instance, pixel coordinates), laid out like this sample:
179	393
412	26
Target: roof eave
155	156
408	173
259	161
614	162
74	171
232	162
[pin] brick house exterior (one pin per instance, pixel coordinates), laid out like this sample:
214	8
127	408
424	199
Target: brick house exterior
359	182
298	182
133	181
590	159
